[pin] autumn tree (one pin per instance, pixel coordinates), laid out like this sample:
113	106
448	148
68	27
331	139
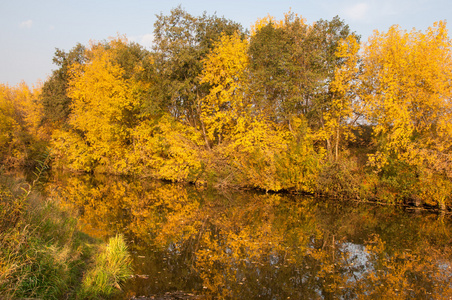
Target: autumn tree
255	147
107	102
8	124
21	138
406	90
182	41
225	71
343	107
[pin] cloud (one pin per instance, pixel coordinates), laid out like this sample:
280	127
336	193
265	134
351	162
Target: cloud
26	24
371	10
357	12
145	40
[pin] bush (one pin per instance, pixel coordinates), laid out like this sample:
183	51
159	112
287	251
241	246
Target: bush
340	179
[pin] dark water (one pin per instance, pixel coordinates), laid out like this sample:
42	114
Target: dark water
247	245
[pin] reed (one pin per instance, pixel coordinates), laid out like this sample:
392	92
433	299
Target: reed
111	268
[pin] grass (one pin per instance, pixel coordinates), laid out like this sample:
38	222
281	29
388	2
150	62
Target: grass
112	267
34	260
42	255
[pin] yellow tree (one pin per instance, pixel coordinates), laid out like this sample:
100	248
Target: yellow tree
255	150
406	90
338	117
168	149
225	70
105	106
289	18
29	109
20	116
8	123
115	126
251	142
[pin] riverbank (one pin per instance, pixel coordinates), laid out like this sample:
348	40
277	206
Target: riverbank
44	256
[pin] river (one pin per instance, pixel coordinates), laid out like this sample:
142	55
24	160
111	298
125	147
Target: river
248	245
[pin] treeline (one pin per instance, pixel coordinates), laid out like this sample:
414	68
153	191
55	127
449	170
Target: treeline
286	105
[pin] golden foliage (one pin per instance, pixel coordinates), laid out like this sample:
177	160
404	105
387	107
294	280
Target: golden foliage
7	121
337	119
105	108
406	92
225	70
102	101
288	18
168	149
20	118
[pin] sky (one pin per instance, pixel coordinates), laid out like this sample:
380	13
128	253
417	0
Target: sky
31	30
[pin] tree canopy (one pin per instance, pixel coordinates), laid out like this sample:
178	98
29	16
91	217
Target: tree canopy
287	105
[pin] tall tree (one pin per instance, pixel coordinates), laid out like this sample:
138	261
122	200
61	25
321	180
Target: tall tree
108	98
225	70
276	75
343	105
292	65
323	40
182	41
54	98
406	87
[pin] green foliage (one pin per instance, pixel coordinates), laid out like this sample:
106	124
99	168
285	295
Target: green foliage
182	41
299	167
398	180
292	64
54	98
272	69
435	189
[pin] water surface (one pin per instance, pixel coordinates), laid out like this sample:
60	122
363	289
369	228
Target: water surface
248	245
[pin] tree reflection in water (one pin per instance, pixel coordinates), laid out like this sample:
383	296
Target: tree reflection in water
246	245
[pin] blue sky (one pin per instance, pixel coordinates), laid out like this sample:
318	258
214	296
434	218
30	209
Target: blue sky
30	30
